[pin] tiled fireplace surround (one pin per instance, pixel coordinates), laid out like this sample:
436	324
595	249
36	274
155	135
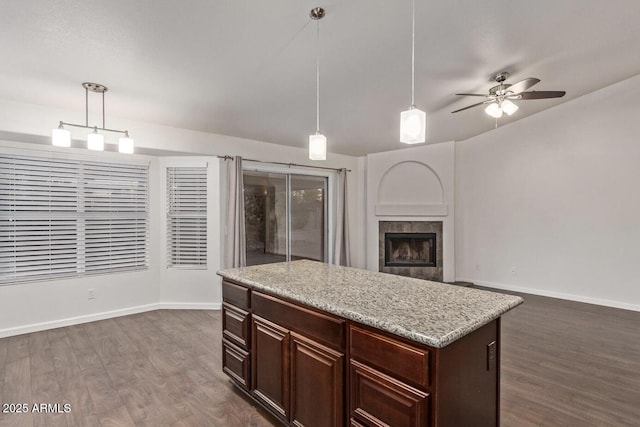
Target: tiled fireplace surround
428	273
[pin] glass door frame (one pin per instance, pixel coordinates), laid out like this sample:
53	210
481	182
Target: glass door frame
330	175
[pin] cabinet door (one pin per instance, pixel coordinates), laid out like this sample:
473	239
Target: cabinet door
380	400
270	365
316	384
235	363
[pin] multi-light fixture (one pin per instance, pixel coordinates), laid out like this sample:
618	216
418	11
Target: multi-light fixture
495	109
61	137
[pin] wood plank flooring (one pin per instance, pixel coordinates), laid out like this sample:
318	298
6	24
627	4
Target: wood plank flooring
570	364
563	364
160	368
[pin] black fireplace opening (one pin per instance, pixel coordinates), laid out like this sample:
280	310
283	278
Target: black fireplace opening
410	249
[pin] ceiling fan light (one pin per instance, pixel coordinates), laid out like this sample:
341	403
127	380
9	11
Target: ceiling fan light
413	126
95	141
61	137
317	147
509	107
494	110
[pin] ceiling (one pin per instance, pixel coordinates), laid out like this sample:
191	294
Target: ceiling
246	68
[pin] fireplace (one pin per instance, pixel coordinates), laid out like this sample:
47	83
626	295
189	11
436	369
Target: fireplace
410	249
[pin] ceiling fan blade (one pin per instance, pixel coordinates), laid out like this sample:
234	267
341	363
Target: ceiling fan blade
473	94
523	85
541	94
472	105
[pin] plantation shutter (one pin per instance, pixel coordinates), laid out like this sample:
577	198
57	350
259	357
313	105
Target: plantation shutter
49	215
187	217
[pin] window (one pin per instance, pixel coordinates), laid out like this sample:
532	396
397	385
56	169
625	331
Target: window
65	218
285	217
187	217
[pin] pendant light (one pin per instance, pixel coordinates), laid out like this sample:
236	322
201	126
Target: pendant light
95	141
317	141
61	137
125	144
413	122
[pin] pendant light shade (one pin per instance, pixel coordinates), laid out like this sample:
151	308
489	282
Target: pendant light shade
125	144
413	126
509	107
317	147
60	137
317	141
494	110
95	141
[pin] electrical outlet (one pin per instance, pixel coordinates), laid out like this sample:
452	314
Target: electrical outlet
92	293
477	267
514	271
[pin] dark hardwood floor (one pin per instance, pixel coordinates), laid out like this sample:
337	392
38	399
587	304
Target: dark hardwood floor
160	368
570	364
563	364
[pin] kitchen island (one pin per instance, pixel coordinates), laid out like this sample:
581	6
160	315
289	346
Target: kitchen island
324	345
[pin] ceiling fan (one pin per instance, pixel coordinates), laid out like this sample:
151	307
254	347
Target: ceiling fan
500	97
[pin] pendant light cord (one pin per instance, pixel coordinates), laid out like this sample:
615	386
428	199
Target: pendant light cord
318	77
413	51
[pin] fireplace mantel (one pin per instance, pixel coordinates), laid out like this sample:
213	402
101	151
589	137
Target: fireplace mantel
420	210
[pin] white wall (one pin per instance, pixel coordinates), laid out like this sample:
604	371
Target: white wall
40	305
190	288
412	184
554	197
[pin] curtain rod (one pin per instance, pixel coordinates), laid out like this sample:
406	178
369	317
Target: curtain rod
226	157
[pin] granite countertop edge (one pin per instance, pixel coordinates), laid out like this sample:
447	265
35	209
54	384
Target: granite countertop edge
378	323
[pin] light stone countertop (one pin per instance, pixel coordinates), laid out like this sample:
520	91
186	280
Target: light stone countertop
432	313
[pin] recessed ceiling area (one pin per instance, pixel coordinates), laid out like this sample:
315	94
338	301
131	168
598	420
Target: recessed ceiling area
247	68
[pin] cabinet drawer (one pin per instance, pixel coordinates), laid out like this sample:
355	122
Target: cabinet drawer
236	294
380	400
326	329
236	325
408	363
236	363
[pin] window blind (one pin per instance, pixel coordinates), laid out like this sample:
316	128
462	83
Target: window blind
187	217
63	218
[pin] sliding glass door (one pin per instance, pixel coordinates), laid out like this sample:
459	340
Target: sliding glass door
285	217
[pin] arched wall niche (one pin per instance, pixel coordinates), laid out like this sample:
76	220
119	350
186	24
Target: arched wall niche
410	188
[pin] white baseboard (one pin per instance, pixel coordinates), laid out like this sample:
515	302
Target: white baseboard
552	294
188	306
36	327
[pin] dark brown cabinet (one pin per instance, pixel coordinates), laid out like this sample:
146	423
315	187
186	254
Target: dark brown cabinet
381	400
236	363
270	379
297	377
235	325
316	384
315	369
